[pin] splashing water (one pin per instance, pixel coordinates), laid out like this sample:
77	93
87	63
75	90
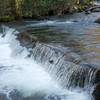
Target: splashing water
21	73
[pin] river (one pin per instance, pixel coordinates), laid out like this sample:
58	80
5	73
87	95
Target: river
31	77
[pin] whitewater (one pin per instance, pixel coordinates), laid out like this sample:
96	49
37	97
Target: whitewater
20	72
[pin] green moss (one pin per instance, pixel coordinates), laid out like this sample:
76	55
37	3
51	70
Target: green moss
7	18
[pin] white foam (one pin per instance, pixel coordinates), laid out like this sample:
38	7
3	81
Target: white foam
22	73
50	23
25	75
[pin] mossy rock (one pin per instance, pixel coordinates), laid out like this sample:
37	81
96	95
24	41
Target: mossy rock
97	20
7	18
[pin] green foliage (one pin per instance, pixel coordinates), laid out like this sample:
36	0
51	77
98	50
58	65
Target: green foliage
38	8
7	18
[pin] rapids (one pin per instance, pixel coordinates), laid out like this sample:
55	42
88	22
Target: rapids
19	72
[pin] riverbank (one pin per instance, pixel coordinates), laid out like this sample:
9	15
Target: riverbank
27	9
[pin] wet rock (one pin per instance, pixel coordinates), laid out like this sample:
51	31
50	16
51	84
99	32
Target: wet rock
97	79
96	92
73	57
51	61
26	39
97	20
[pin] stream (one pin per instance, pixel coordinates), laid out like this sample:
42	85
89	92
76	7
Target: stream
63	64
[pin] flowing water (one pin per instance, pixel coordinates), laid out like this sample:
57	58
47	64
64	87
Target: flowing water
63	64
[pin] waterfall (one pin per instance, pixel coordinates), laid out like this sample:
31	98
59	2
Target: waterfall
63	70
42	69
65	66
